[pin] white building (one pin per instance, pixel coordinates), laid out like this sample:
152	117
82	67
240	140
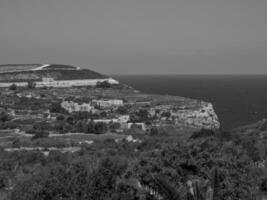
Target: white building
138	124
108	103
71	106
123	118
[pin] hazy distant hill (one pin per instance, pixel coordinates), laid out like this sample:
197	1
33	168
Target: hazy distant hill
36	72
54	75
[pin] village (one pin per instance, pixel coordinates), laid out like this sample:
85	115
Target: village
44	112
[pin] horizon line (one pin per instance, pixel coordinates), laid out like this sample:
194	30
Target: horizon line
225	74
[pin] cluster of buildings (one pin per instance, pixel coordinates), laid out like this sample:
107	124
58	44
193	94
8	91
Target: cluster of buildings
92	106
107	105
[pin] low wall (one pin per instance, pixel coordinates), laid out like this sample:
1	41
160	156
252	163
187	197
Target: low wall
62	83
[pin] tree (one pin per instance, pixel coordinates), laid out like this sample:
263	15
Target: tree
91	127
40	134
154	131
103	114
31	84
13	87
114	126
100	128
122	110
103	84
263	185
60	118
143	114
81	126
166	114
4	117
70	120
56	108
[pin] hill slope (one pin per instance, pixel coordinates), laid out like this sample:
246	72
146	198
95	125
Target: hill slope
53	75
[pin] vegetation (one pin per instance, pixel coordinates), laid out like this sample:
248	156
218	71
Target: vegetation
205	166
103	84
13	87
162	162
31	84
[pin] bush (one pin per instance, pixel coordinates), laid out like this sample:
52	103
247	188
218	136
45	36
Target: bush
122	110
62	127
91	127
202	133
60	118
154	131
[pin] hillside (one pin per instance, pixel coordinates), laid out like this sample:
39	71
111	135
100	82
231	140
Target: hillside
51	75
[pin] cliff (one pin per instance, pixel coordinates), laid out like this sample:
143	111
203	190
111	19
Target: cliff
204	117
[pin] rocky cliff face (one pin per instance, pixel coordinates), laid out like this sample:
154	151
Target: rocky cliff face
203	117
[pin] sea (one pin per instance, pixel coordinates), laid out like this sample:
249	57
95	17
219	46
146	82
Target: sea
237	99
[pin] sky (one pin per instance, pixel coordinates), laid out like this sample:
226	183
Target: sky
137	36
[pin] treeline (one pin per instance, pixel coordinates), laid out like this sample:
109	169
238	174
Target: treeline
71	124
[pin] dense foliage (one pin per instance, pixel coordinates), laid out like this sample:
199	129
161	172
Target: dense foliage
208	165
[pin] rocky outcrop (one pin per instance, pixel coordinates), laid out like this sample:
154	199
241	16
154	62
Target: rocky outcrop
188	114
203	117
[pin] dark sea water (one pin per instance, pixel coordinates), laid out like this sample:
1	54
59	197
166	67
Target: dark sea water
238	100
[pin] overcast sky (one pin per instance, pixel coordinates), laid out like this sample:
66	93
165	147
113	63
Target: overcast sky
137	36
